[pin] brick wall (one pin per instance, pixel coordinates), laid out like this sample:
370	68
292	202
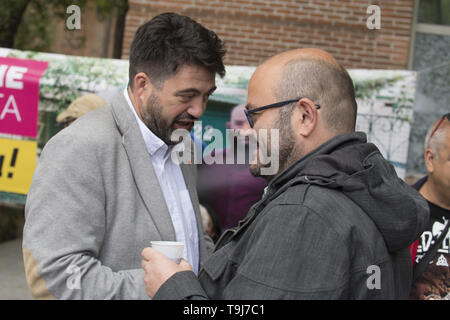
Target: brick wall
257	29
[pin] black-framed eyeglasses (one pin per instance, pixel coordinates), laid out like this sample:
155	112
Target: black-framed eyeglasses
274	105
445	116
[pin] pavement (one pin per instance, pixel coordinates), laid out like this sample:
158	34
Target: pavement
13	284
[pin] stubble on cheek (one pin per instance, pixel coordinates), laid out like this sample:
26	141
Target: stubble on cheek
155	121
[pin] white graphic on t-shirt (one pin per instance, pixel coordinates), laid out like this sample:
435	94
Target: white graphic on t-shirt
428	239
442	261
437	228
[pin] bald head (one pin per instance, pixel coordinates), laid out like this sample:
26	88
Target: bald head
317	75
441	131
306	54
437	154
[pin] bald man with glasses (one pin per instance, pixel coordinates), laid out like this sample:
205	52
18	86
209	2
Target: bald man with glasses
335	221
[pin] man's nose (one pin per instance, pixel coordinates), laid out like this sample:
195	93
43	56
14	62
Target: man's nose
197	108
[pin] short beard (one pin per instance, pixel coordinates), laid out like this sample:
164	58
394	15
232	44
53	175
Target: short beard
287	147
153	119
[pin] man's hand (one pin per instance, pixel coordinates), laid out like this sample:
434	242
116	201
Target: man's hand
158	269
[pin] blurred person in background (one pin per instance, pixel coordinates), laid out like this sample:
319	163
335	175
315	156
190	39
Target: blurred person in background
431	252
230	189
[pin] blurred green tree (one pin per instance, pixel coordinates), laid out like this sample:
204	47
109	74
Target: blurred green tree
29	24
11	13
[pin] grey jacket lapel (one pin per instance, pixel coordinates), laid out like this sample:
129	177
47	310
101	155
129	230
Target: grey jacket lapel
142	168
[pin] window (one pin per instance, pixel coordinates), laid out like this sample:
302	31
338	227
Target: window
434	12
429	56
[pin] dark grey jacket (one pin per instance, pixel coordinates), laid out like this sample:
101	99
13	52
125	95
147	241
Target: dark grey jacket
335	225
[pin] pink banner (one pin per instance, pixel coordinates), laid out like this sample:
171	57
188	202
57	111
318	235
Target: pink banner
19	95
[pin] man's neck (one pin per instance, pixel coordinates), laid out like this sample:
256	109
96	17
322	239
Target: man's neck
133	103
432	193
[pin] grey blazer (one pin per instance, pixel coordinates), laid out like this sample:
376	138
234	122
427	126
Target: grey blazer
94	204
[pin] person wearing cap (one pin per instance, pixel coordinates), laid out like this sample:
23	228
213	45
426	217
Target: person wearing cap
79	107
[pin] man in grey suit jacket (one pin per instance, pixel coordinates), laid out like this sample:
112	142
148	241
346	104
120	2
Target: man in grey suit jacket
105	186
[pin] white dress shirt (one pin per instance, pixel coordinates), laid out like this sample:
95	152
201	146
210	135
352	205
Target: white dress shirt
174	189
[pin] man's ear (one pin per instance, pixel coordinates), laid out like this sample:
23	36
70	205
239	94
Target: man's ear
141	84
227	125
305	118
429	157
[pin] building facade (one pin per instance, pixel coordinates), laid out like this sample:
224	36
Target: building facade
413	34
257	29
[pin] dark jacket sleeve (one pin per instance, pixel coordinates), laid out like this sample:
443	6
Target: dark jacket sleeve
290	253
181	286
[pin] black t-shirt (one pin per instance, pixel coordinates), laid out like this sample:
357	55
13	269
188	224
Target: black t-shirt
434	283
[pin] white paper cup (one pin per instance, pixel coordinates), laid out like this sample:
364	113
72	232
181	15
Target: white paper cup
171	249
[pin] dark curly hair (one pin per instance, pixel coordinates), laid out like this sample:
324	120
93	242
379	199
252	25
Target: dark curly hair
169	41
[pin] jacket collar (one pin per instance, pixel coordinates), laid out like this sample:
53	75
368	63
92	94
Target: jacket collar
296	169
142	168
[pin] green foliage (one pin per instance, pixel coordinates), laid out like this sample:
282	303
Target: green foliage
401	101
68	77
35	30
38	23
434	12
106	6
11	12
